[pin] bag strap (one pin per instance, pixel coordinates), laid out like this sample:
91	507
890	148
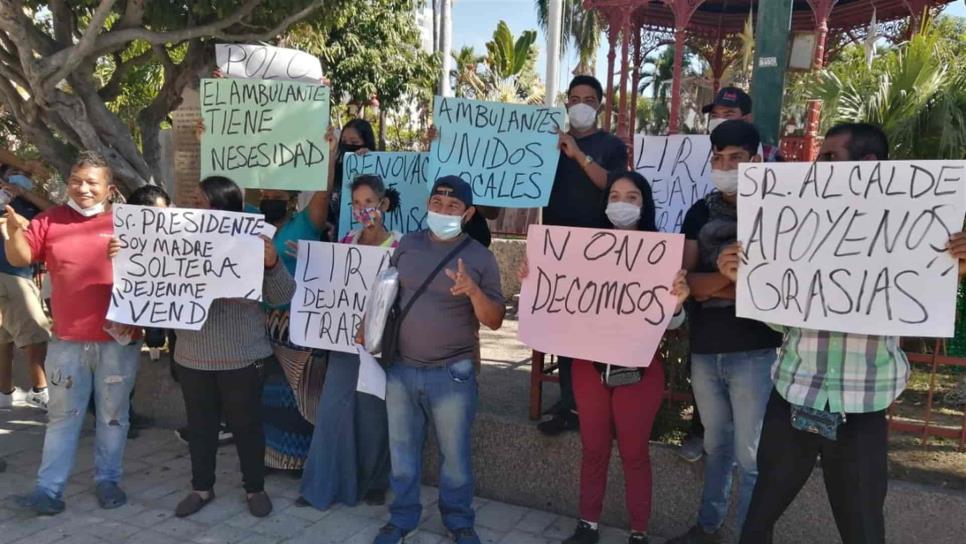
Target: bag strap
432	276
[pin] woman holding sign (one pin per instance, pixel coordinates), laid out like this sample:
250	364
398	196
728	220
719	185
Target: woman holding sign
349	456
618	402
220	371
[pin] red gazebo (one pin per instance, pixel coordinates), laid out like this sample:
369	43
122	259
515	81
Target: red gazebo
711	27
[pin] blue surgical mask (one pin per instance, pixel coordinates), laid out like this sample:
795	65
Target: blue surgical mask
445	227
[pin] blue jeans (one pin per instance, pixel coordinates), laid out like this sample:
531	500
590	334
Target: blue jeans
731	391
446	396
74	369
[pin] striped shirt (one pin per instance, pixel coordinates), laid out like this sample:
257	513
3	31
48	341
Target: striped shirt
839	372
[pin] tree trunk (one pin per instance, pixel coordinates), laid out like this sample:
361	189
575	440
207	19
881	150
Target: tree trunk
382	128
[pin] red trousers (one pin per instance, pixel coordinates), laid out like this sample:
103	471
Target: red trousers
626	412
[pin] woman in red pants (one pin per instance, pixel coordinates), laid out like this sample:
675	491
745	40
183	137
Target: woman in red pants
620	402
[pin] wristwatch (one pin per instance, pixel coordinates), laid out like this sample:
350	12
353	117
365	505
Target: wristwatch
588	160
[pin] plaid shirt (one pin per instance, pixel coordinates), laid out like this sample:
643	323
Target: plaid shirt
840	372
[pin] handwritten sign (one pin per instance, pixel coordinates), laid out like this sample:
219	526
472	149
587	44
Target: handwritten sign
599	295
851	246
679	170
265	134
332	284
507	152
255	61
404	171
174	262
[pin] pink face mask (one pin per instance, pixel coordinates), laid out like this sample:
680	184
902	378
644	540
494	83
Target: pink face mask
365	216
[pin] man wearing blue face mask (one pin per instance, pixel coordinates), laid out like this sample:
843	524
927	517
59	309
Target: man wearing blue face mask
450	284
731	357
587	155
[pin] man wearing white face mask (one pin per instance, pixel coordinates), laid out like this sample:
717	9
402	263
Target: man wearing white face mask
731	357
448	285
72	240
587	155
733	104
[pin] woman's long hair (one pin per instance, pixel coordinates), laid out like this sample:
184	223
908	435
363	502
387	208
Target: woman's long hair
223	194
364	128
648	220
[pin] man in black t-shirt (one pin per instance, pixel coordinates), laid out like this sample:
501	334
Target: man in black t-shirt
587	155
731	357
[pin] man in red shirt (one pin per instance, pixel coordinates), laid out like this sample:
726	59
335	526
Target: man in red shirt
71	240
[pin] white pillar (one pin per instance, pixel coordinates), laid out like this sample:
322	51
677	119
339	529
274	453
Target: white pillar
555	14
446	45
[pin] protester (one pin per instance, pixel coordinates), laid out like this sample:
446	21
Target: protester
349	457
72	241
731	104
849	380
23	322
219	368
587	154
356	136
625	412
433	378
731	357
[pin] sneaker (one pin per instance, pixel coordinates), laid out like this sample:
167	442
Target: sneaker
38	399
110	496
259	505
37	503
638	538
584	534
696	535
692	448
559	423
466	535
390	534
6	399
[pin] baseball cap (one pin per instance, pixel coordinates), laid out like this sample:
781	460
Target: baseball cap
731	97
457	189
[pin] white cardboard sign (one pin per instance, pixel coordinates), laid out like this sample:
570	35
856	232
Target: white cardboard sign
678	168
256	61
856	247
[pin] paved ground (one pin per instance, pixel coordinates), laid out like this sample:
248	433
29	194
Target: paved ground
157	473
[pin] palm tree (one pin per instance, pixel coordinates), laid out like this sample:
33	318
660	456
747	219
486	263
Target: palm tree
465	75
581	29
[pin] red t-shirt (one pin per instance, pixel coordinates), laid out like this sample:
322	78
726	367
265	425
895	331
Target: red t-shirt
74	248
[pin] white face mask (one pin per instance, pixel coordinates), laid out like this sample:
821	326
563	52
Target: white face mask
582	116
623	215
725	180
715	123
96	209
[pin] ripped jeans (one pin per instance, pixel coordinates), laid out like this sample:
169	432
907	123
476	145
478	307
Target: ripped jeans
74	369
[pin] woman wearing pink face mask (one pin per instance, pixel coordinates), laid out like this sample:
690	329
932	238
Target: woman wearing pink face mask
348	460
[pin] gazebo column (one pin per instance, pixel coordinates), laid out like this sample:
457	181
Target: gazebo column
822	10
683	10
917	8
611	56
623	125
636	78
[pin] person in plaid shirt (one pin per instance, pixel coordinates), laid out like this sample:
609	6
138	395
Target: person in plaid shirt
848	380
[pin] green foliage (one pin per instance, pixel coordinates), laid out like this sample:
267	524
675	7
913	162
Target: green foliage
916	91
507	58
581	31
506	74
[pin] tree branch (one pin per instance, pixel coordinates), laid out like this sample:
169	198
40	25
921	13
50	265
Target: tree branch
112	88
133	14
55	72
63	20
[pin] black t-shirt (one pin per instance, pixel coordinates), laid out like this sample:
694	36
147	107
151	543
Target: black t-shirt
478	229
713	325
575	201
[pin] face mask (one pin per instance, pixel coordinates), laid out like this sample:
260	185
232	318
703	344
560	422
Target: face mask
96	209
445	227
715	123
623	215
274	210
21	181
366	216
349	148
725	180
582	116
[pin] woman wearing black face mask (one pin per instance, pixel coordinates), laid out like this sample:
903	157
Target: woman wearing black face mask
357	137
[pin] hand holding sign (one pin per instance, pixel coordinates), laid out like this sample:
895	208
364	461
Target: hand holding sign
680	289
271	256
728	261
957	247
463	284
568	145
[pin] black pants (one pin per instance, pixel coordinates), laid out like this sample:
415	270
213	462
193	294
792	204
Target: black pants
234	396
565	371
854	468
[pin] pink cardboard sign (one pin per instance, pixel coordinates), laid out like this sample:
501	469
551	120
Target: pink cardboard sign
599	295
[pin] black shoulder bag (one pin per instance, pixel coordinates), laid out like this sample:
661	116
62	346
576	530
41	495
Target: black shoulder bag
390	334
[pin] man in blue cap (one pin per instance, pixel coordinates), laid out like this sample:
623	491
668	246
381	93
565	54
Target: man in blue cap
448	285
731	104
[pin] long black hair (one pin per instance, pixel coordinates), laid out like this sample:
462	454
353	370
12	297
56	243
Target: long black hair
648	220
375	183
223	194
364	128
